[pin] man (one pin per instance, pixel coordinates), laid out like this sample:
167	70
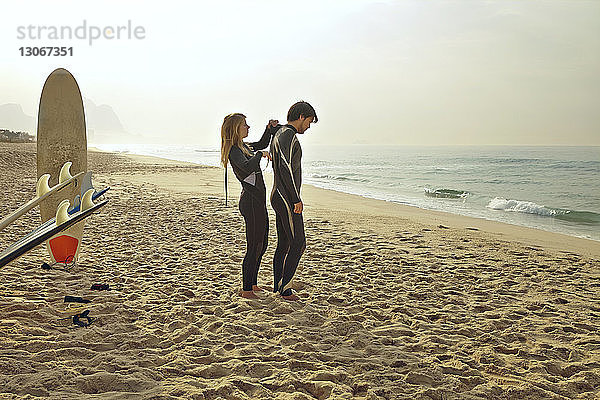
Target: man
285	197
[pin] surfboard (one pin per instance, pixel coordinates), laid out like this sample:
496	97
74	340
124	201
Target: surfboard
61	137
62	222
43	191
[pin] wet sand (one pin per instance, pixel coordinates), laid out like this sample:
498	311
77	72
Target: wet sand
396	302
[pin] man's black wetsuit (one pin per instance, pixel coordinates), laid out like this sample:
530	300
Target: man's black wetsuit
253	205
291	242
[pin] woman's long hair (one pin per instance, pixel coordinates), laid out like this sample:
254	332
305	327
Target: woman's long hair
230	136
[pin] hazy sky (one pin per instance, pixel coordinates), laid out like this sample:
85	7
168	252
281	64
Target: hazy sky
402	72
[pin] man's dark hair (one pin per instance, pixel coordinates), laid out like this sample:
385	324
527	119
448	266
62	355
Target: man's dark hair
303	109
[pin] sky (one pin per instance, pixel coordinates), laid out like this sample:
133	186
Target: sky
377	72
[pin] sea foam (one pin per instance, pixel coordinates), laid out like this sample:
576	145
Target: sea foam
527	207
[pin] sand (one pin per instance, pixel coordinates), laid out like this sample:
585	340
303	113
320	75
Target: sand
396	302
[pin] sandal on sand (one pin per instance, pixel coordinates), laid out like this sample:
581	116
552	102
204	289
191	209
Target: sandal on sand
76	299
77	319
100	286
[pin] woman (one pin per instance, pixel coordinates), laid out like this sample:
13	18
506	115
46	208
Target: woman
253	206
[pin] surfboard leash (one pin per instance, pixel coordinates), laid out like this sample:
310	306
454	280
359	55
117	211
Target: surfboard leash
66	265
225	185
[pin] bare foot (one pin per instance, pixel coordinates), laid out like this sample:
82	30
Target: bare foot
256	288
291	297
248	294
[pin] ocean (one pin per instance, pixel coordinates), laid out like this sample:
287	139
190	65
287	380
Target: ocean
555	189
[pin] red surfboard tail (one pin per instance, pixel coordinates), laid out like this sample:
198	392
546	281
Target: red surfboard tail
63	248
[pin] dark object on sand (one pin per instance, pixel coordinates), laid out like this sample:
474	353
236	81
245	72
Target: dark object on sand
100	286
77	319
76	299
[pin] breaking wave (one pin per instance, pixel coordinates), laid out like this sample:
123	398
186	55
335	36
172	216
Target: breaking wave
528	207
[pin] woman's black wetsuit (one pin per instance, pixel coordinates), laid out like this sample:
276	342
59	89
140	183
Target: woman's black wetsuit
253	205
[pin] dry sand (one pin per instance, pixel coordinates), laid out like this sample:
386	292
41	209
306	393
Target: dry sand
396	302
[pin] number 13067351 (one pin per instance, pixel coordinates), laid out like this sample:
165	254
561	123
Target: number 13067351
46	51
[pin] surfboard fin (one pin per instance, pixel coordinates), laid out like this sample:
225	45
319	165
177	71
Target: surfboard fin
61	212
42	186
65	172
86	202
76	204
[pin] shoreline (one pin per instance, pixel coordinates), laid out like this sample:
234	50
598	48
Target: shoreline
535	216
324	201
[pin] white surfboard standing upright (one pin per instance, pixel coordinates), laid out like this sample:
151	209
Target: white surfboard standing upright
61	137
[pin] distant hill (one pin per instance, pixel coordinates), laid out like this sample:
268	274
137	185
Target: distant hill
104	125
102	122
13	118
102	118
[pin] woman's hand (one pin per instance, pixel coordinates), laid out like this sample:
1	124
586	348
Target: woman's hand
267	154
272	126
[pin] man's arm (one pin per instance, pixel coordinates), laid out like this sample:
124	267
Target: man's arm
296	164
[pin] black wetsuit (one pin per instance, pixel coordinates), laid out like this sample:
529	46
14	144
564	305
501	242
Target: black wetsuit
252	205
291	241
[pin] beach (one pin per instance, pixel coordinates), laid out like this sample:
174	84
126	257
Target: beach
395	302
